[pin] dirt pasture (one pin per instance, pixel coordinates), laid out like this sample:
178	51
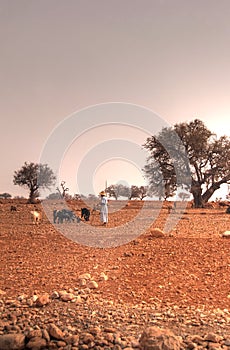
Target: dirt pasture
191	267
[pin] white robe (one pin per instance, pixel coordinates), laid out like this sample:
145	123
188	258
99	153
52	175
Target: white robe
104	209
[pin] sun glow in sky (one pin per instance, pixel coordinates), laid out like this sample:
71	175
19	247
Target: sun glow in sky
99	155
57	57
110	172
117	171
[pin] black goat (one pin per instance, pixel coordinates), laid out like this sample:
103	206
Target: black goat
85	213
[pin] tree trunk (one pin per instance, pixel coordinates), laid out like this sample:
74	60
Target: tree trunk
197	194
208	194
33	195
198	202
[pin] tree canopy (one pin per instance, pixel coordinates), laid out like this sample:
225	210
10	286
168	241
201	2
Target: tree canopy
5	195
197	160
34	177
118	190
139	192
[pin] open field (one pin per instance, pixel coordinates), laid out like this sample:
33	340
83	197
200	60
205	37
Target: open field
170	281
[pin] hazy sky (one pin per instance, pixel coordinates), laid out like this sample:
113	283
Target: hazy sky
57	57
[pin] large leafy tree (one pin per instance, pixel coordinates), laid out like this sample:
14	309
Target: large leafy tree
208	158
167	167
34	177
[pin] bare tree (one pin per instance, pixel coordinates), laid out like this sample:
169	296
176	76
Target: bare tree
63	191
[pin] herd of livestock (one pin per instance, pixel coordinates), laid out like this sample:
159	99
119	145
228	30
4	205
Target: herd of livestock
66	215
59	216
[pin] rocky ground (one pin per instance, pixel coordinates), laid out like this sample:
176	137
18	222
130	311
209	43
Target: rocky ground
56	293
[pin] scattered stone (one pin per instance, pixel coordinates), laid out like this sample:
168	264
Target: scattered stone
82	282
154	338
75	339
86	338
55	295
212	337
61	343
188	292
22	297
36	343
157	233
226	234
34	298
34	333
12	342
67	297
85	276
95	330
45	335
197	339
95	324
92	285
128	254
226	342
42	300
55	332
79	299
214	346
103	277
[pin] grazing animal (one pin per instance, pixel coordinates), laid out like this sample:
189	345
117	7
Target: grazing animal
36	216
64	215
13	208
78	219
228	210
55	215
85	213
69	216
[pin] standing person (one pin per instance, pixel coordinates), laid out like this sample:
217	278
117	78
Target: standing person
104	208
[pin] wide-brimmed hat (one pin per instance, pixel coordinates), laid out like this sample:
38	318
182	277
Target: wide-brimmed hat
102	193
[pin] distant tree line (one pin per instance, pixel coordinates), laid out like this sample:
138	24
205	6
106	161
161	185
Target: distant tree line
116	191
5	195
186	159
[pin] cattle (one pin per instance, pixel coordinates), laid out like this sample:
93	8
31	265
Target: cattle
85	213
13	208
36	216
